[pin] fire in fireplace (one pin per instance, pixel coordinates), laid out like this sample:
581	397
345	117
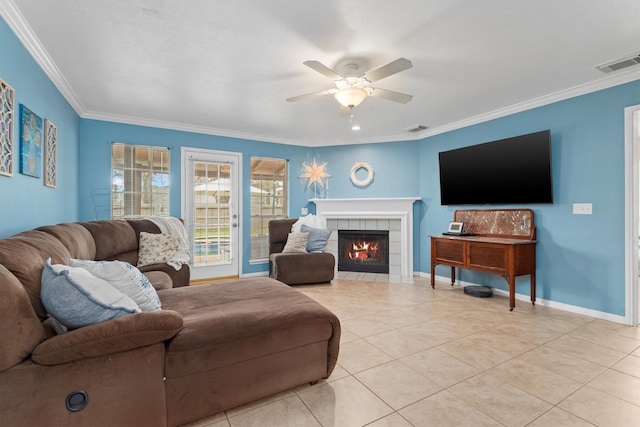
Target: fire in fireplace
363	251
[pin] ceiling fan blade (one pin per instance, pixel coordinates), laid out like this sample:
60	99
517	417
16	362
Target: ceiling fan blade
311	95
323	69
394	67
390	95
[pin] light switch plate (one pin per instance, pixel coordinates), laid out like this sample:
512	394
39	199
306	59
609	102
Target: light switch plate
582	208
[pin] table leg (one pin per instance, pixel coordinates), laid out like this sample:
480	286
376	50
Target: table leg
433	275
453	275
533	288
512	292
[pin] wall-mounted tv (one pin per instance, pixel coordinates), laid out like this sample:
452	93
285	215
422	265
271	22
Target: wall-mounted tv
509	171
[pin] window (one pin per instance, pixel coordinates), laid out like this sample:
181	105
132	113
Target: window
139	180
268	201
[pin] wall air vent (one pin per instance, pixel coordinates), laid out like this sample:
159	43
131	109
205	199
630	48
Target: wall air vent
620	63
415	129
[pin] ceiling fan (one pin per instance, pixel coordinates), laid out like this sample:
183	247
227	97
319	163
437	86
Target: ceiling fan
352	86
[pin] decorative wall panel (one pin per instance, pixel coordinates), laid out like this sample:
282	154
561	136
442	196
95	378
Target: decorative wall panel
50	147
7	96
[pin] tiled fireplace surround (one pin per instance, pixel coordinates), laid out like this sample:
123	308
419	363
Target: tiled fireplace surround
392	214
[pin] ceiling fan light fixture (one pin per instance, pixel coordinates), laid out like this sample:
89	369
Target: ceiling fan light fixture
351	96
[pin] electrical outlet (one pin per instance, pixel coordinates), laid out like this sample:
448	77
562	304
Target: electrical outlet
582	208
304	211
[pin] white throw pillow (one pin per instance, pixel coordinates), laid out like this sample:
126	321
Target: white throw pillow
310	220
77	298
156	248
296	242
124	277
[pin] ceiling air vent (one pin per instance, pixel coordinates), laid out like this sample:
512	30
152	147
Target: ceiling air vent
415	129
620	63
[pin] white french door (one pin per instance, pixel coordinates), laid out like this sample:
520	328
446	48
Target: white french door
211	200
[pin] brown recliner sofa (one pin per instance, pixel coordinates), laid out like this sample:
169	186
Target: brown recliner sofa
211	347
296	268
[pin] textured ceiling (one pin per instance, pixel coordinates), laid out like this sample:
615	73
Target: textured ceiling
227	67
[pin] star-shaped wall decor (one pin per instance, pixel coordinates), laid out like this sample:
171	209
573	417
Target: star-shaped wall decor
314	173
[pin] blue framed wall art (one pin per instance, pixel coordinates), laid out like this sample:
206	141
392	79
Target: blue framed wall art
30	143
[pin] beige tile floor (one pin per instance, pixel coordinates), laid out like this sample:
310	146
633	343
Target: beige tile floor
414	356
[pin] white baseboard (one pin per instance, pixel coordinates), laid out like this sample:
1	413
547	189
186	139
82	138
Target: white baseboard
540	301
257	274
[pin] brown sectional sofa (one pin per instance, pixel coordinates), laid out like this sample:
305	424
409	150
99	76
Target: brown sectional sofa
211	347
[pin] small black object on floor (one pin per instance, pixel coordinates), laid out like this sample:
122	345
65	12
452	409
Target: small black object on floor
478	291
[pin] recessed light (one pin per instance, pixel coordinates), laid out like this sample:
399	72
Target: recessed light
355	127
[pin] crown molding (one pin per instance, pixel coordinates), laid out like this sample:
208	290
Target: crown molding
583	89
25	34
27	37
131	120
604	83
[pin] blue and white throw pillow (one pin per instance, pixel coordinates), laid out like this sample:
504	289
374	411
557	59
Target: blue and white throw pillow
317	238
124	277
77	298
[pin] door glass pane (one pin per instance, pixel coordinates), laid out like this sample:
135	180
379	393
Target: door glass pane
212	225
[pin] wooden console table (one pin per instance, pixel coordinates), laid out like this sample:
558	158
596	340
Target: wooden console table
503	243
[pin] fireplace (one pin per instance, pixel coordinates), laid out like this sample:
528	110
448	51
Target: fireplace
364	251
394	215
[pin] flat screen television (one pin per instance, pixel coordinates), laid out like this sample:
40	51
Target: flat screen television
508	171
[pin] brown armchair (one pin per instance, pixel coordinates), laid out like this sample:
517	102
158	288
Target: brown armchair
296	268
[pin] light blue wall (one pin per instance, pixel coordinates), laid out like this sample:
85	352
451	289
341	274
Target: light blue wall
395	165
580	258
24	200
396	169
95	168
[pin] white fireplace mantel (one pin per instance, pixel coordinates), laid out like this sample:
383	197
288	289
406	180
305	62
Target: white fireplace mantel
400	208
